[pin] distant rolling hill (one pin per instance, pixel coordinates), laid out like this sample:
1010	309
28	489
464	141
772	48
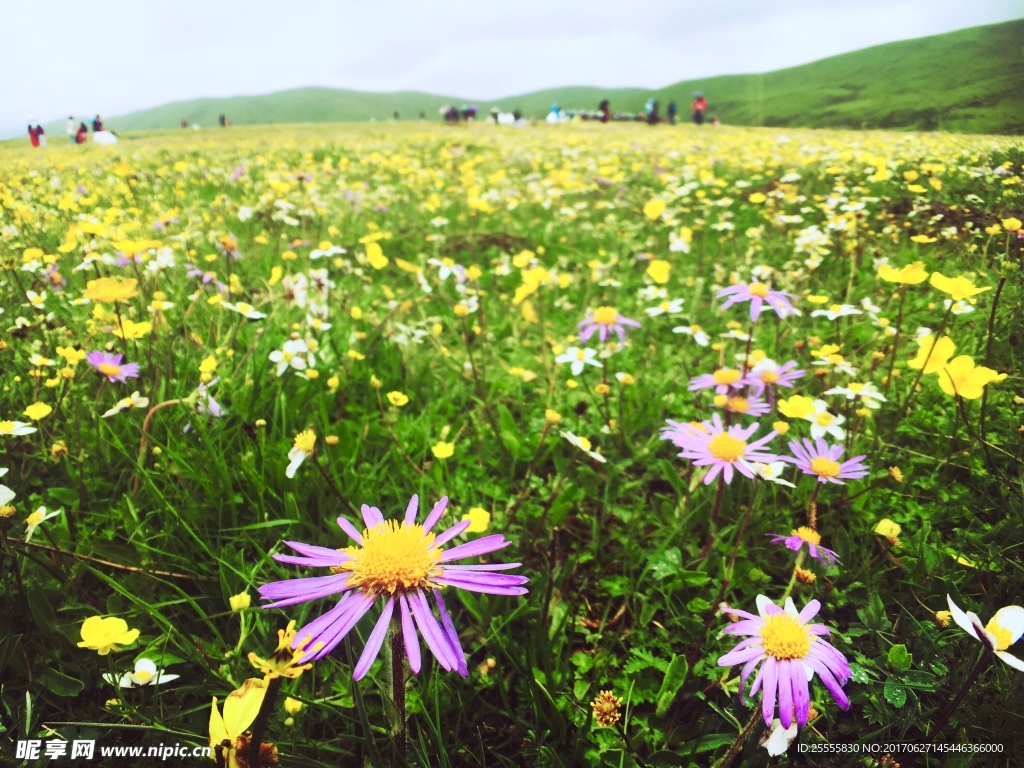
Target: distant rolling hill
971	81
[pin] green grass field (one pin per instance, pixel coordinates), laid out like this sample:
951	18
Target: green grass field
329	316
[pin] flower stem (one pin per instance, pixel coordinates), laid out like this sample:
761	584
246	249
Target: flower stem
260	724
896	338
737	745
792	579
398	695
910	393
979	667
713	522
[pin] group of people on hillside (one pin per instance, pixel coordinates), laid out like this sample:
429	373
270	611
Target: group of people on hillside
77	134
651	113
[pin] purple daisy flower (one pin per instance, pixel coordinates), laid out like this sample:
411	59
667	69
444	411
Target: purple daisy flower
603	320
766	373
722	380
400	565
709	443
792	651
111	366
810	537
820	459
758	294
746	406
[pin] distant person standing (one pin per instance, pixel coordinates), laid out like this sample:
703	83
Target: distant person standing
97	124
605	109
396	113
70	129
83	134
184	122
33	137
651	110
223	120
41	136
672	112
699	107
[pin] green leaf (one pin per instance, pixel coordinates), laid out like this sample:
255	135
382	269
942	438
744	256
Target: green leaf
580	688
65	496
59	683
509	431
894	692
675	675
900	658
858	674
923	681
666	563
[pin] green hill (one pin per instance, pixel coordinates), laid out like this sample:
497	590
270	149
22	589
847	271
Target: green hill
969	81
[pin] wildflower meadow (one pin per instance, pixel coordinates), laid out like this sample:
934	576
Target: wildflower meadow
574	445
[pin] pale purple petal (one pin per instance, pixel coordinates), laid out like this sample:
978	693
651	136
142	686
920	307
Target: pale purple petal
771	679
435	514
292	591
451	634
412	641
432	633
412	509
785	686
475	547
452	532
350	530
374	642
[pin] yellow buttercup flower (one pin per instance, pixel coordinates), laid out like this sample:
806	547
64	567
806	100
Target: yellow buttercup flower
132	330
479	518
227	733
797	407
443	450
104	634
959	288
398	399
38	411
1012	224
653	208
911	274
962	377
109	290
658	270
932	355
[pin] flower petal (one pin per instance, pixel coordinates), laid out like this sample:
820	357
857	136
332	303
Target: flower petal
374	642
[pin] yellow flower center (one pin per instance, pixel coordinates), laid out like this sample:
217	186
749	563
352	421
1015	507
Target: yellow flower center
726	376
35	518
809	535
243	307
305	441
286	356
393	558
585	444
768	376
143	675
109	369
784	637
738	404
6	427
855	387
726	447
1004	638
759	289
580	355
825	467
606	315
824	419
835	309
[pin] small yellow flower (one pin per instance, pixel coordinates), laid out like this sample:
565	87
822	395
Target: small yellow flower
606	708
331	439
658	270
375	255
72	355
240	602
923	239
284	661
398	399
356	313
479	518
943	618
782	427
443	450
304	441
896	474
962	377
757	198
653	208
104	634
552	417
959	288
109	290
292	706
602	389
333	383
889	530
1012	224
38	411
911	274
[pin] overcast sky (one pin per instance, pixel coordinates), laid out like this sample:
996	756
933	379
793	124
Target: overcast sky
116	56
